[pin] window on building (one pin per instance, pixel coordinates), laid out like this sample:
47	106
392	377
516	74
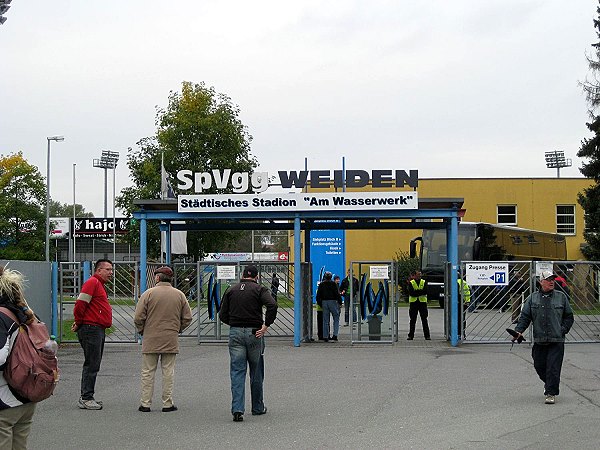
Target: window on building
507	214
565	219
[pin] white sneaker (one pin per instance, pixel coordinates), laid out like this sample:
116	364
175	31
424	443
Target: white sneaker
550	400
89	404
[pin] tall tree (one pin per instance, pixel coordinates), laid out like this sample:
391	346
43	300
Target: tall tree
590	149
22	209
58	209
199	130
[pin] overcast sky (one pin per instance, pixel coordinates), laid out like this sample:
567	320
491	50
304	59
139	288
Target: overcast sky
463	88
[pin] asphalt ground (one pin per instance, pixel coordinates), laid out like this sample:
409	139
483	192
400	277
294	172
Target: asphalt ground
418	394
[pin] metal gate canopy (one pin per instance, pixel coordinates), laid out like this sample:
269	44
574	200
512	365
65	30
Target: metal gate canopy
431	213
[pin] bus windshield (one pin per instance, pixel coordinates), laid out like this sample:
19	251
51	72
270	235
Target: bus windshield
435	252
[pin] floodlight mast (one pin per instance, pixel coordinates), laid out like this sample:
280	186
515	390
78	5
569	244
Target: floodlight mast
556	159
108	160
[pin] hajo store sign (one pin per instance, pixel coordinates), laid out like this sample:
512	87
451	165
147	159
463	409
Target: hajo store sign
241	182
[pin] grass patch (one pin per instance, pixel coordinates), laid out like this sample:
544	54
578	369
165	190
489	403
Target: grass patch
586	312
68	335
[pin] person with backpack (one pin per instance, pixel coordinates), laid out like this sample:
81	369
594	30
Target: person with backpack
93	314
16	412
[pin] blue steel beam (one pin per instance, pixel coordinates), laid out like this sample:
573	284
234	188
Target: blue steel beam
449	214
452	246
143	253
315	215
297	283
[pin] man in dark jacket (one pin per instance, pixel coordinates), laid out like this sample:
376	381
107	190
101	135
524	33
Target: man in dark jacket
241	309
330	299
552	317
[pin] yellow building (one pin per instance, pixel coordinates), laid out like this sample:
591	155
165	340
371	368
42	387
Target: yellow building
544	204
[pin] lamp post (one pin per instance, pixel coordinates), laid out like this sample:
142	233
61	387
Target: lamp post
108	160
113	205
74	217
56	139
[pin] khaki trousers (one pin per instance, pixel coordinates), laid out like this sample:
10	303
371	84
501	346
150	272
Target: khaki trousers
149	365
15	424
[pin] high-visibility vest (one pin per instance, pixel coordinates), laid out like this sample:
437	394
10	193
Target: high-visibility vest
464	290
421	285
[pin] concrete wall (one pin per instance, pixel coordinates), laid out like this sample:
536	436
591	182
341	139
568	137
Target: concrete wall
38	286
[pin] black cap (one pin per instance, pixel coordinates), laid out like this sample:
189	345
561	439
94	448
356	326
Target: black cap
250	272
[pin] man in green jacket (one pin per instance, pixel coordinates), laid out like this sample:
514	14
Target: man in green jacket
552	317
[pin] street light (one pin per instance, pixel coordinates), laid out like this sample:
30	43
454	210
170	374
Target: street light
556	160
108	160
56	139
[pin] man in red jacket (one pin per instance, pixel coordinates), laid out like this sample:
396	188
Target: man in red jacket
93	314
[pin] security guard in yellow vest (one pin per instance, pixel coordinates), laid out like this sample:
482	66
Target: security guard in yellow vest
417	304
464	290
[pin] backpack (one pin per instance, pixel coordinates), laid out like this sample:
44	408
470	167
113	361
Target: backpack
31	370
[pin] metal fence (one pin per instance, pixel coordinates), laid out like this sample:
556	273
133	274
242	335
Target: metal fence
494	308
122	290
377	318
211	289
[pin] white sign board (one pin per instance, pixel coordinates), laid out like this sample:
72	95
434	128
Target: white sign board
487	274
62	226
379	272
297	201
543	265
226	273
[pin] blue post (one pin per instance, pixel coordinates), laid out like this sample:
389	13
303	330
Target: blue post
168	244
87	270
452	246
54	320
143	253
297	283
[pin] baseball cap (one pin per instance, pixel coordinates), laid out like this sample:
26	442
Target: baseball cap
547	275
166	270
250	272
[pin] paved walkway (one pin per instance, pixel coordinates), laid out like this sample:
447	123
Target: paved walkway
423	396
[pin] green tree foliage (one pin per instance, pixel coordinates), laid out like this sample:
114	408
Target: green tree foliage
58	209
590	149
405	266
22	209
200	131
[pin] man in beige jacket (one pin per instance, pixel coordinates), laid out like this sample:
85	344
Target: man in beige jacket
161	314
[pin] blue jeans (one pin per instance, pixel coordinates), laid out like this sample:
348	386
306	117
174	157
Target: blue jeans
331	307
246	350
91	339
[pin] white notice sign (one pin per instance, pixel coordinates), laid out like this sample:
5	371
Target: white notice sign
487	274
543	265
226	273
379	272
